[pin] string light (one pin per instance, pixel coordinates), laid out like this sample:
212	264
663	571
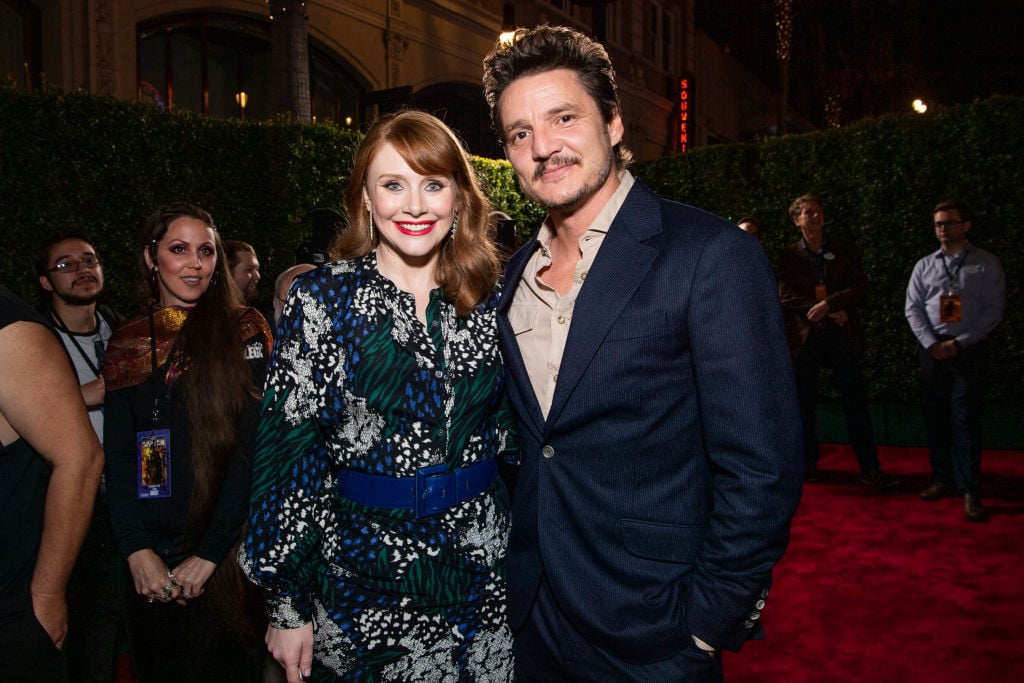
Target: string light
283	8
783	28
833	109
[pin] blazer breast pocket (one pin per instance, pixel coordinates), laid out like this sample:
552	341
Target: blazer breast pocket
634	325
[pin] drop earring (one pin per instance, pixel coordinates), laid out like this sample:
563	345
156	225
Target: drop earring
455	223
369	215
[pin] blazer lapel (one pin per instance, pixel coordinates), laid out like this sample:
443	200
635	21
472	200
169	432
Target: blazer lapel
520	389
622	263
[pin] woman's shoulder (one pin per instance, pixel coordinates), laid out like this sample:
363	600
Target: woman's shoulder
254	324
327	280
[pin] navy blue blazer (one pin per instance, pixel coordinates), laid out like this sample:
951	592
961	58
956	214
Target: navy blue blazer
657	494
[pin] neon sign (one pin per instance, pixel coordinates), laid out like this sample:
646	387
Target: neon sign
684	114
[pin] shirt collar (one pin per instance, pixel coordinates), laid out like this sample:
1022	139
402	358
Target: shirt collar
941	253
603	222
807	247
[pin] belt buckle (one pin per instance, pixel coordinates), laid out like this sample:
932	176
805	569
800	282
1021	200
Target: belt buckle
423	477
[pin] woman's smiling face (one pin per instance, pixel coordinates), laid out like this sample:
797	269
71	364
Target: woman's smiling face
412	213
186	259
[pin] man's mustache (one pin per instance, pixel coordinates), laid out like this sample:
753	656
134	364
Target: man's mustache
558	160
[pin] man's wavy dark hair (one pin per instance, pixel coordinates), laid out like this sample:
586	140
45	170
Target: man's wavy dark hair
546	48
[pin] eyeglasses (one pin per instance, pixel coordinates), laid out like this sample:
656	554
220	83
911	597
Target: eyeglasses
73	266
942	225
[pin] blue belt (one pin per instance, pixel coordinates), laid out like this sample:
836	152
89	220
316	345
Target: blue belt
431	490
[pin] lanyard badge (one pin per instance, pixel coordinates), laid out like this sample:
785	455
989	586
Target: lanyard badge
154	463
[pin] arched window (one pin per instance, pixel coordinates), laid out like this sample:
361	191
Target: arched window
465	110
20	43
219	65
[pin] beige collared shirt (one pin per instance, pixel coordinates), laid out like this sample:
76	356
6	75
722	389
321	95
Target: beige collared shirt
540	316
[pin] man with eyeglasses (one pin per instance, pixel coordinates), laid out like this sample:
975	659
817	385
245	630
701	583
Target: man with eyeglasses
71	275
954	301
821	284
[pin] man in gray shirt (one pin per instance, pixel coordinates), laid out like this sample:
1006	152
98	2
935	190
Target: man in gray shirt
71	273
954	301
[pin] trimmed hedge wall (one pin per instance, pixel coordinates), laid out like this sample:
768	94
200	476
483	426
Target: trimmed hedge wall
100	164
879	180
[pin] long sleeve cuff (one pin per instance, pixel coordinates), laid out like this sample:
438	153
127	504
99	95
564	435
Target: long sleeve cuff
286	611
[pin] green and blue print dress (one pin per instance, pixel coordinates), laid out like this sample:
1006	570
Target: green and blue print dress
356	381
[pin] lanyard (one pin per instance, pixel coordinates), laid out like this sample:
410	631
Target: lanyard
952	275
160	373
97	346
817	259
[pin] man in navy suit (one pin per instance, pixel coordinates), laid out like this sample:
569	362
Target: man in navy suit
658	421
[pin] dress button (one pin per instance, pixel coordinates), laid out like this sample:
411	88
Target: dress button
435	324
548	452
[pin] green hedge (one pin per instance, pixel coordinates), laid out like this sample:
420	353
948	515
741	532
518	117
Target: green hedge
100	164
879	180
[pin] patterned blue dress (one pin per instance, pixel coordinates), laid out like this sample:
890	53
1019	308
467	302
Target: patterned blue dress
356	381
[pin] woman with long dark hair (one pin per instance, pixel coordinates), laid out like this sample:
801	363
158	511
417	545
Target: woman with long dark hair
180	410
377	515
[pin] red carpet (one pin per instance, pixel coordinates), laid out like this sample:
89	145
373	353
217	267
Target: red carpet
893	589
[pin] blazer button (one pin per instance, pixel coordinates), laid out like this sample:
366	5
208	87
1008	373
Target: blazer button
548	452
759	604
748	624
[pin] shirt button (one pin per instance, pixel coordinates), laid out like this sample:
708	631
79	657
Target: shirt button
438	374
548	452
555	378
561	320
583	275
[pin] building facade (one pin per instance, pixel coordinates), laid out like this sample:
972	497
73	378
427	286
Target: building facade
348	60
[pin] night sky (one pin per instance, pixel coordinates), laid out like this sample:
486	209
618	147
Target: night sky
875	56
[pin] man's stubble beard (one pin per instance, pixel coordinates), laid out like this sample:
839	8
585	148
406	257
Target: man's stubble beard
75	300
580	197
